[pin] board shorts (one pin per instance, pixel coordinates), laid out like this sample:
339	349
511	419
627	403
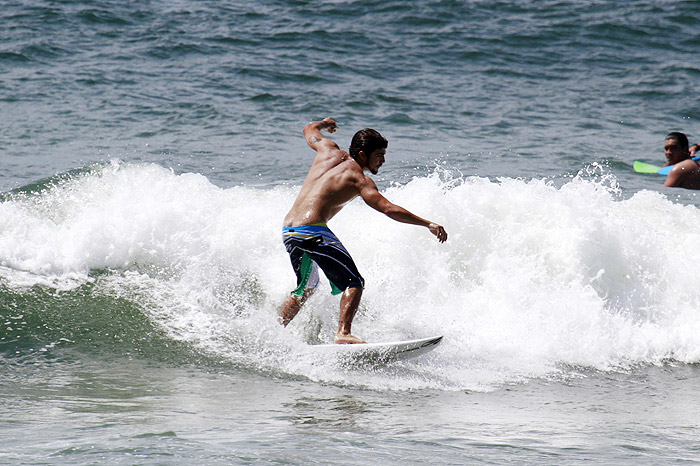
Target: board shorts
313	246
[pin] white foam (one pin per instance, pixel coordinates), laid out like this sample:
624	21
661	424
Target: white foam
533	278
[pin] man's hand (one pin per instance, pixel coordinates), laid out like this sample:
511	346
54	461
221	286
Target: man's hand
438	231
328	124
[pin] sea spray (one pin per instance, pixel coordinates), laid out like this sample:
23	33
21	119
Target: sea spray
534	278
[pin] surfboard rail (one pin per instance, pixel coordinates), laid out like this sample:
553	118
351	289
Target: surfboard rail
381	352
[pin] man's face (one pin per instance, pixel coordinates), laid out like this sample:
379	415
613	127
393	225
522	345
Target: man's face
376	160
674	151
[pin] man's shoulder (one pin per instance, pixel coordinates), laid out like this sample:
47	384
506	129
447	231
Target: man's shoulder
684	174
351	174
329	154
327	160
687	164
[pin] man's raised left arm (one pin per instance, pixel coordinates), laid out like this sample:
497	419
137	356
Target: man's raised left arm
316	140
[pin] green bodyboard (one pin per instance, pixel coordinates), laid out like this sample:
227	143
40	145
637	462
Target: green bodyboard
641	167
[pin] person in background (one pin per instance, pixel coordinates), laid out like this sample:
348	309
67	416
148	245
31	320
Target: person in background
686	171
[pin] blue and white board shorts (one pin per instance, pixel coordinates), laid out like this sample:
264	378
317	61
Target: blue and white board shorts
313	246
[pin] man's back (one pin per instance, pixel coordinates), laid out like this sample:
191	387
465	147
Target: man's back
333	180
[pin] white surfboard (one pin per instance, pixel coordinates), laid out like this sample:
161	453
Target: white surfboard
381	352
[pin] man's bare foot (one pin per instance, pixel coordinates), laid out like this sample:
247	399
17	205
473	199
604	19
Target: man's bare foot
347	339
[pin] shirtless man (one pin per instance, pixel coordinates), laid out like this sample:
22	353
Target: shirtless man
686	171
335	178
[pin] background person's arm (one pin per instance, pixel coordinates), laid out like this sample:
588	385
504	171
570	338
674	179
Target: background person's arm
693	150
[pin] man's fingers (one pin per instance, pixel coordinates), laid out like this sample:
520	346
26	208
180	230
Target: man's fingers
330	125
439	232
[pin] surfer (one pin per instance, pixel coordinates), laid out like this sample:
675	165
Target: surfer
686	171
335	178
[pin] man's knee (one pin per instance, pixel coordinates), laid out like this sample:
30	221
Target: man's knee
354	291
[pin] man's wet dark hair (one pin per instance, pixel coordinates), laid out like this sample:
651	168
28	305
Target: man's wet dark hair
680	137
366	140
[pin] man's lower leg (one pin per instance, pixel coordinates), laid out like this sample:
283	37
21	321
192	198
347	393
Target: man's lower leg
348	307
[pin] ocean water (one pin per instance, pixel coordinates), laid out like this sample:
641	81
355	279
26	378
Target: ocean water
150	150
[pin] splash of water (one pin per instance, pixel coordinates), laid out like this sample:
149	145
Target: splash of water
534	278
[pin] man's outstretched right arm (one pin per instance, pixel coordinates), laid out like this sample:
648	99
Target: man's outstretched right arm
373	198
316	140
